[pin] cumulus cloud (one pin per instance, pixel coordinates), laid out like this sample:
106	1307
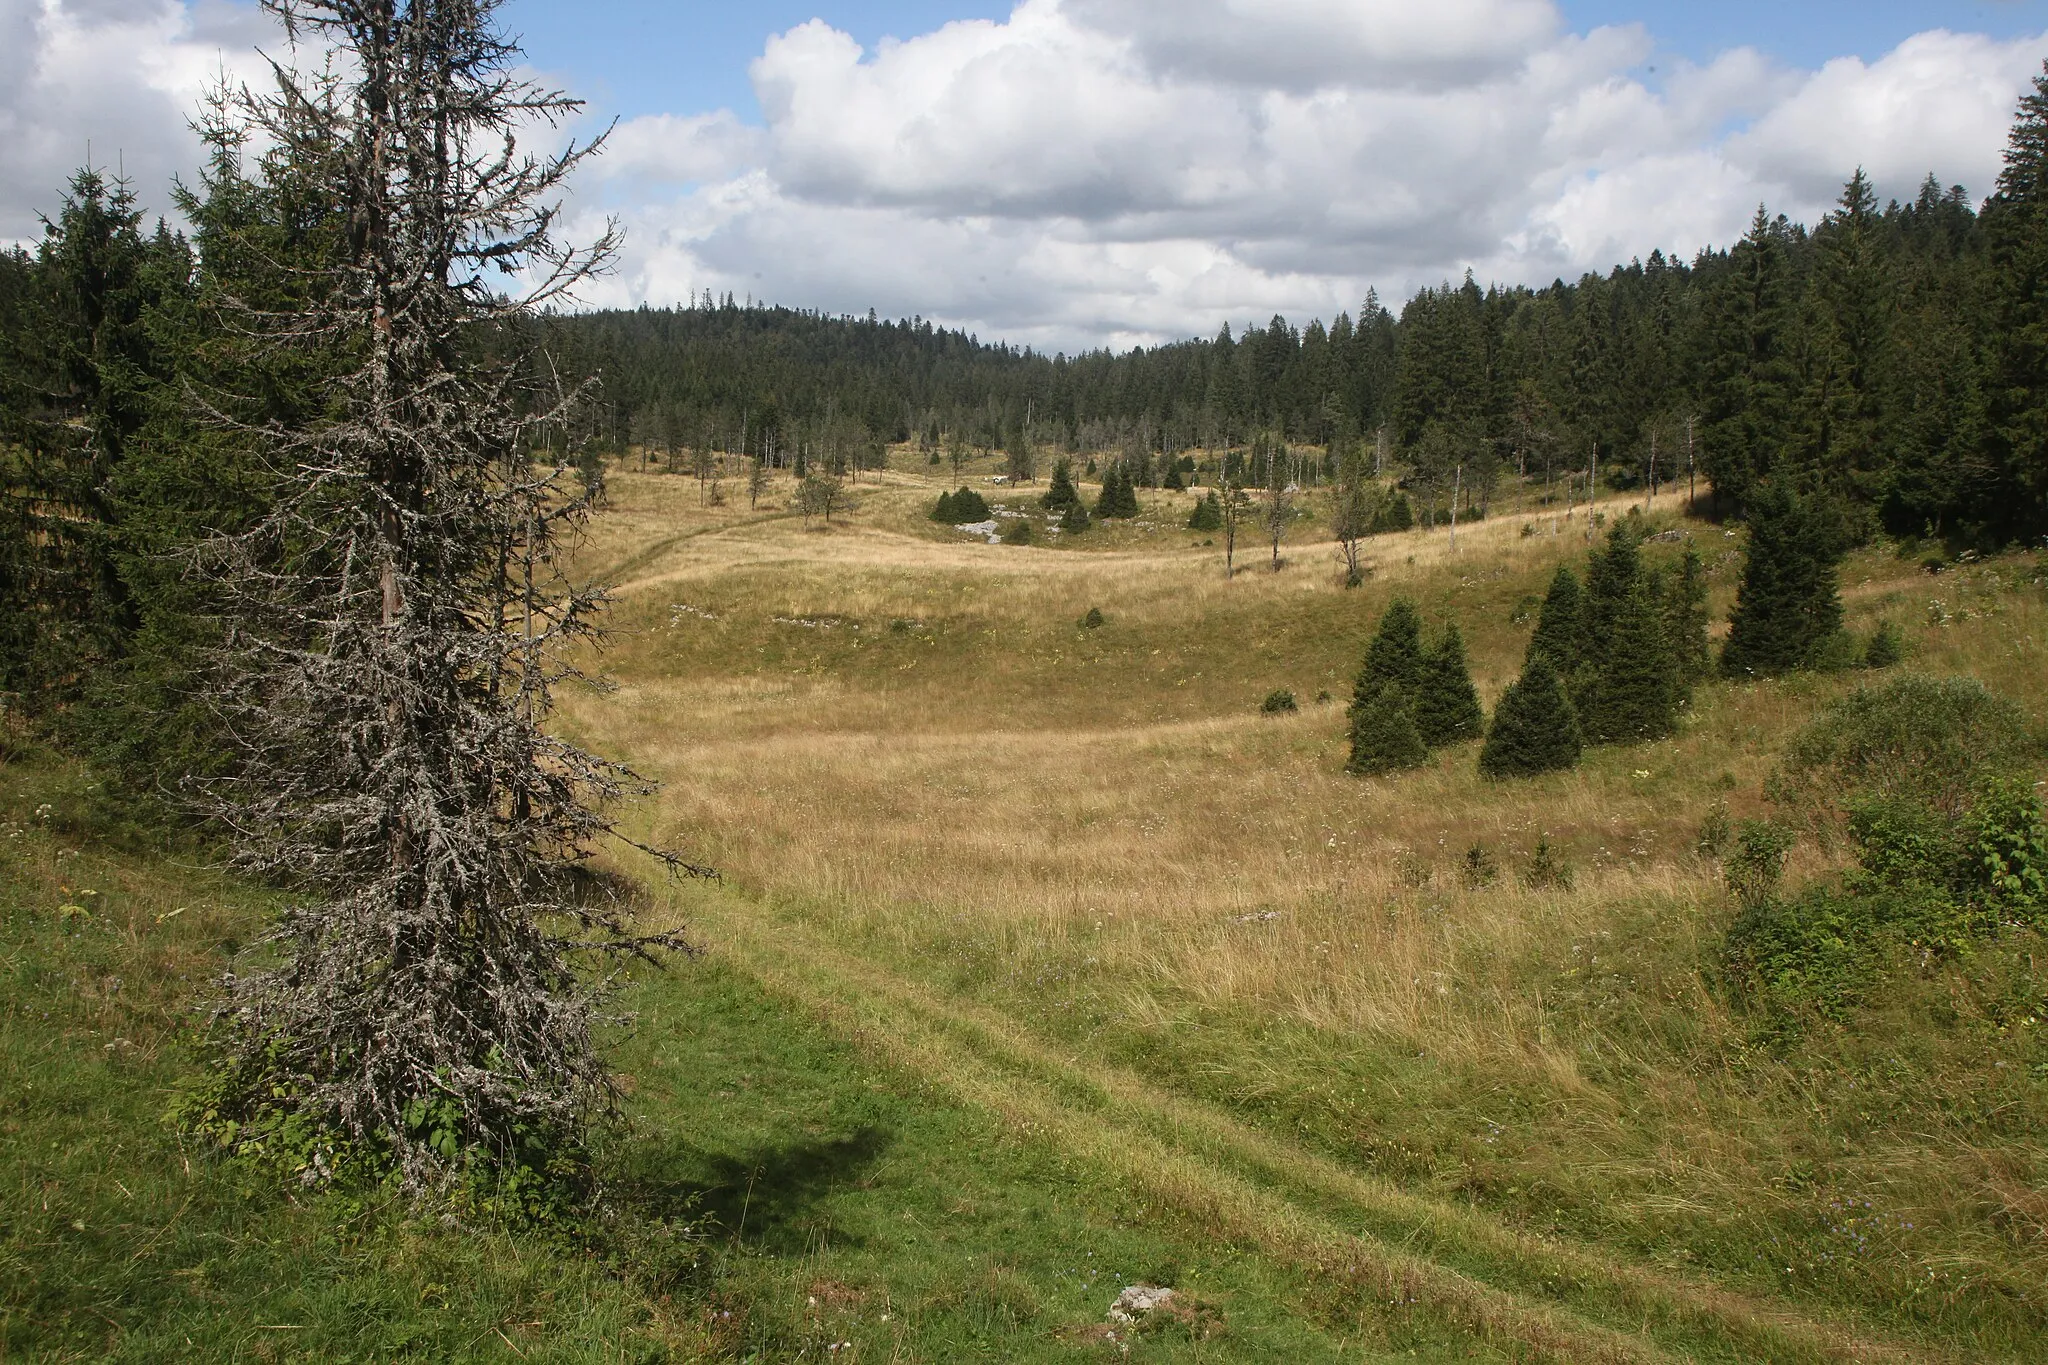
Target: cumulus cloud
1094	170
116	79
1108	171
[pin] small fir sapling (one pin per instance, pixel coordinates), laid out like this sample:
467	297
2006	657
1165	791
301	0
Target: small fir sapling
1534	730
1208	514
1075	519
1546	871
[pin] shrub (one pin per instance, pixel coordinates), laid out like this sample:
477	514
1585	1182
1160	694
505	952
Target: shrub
1074	520
1715	831
1820	949
2007	849
1886	647
1546	871
1757	864
1925	738
943	512
969	506
1208	514
1383	735
1017	531
1093	620
1838	653
1479	869
1279	702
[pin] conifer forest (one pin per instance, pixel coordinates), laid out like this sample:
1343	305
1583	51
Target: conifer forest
1507	825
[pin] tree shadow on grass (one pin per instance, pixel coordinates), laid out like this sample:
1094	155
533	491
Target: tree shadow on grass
765	1198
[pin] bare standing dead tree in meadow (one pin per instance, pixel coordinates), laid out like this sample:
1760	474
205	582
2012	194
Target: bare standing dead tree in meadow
396	625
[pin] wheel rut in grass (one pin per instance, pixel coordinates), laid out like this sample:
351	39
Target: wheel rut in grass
1478	1274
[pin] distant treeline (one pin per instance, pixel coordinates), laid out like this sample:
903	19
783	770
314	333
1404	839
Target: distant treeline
1894	355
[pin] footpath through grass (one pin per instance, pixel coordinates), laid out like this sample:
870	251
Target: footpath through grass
778	1196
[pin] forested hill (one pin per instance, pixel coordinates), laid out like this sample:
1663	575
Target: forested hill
1883	351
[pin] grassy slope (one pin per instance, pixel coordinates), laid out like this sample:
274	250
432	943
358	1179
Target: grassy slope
1043	961
938	798
778	1192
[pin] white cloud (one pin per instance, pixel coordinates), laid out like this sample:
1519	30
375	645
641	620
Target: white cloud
1095	169
117	78
1088	171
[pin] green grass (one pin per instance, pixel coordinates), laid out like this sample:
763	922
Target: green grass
1043	961
774	1192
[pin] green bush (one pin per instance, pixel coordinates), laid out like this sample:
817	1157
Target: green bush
1279	702
1927	886
1017	531
1546	871
1757	864
1208	514
1838	653
2006	850
1928	739
969	505
1093	620
1820	950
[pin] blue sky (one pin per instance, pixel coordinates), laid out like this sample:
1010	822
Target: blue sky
632	57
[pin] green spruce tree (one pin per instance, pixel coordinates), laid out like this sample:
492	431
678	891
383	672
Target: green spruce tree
1394	658
1788	605
1534	730
1074	519
1686	621
1446	704
1208	514
1383	735
1632	694
944	511
1061	493
1562	624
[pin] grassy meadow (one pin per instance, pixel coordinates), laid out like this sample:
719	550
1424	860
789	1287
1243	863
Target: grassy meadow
1043	961
1077	875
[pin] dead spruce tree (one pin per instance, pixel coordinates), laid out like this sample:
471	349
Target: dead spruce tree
395	626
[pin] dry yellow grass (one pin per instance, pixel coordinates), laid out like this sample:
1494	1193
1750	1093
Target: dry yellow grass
898	736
